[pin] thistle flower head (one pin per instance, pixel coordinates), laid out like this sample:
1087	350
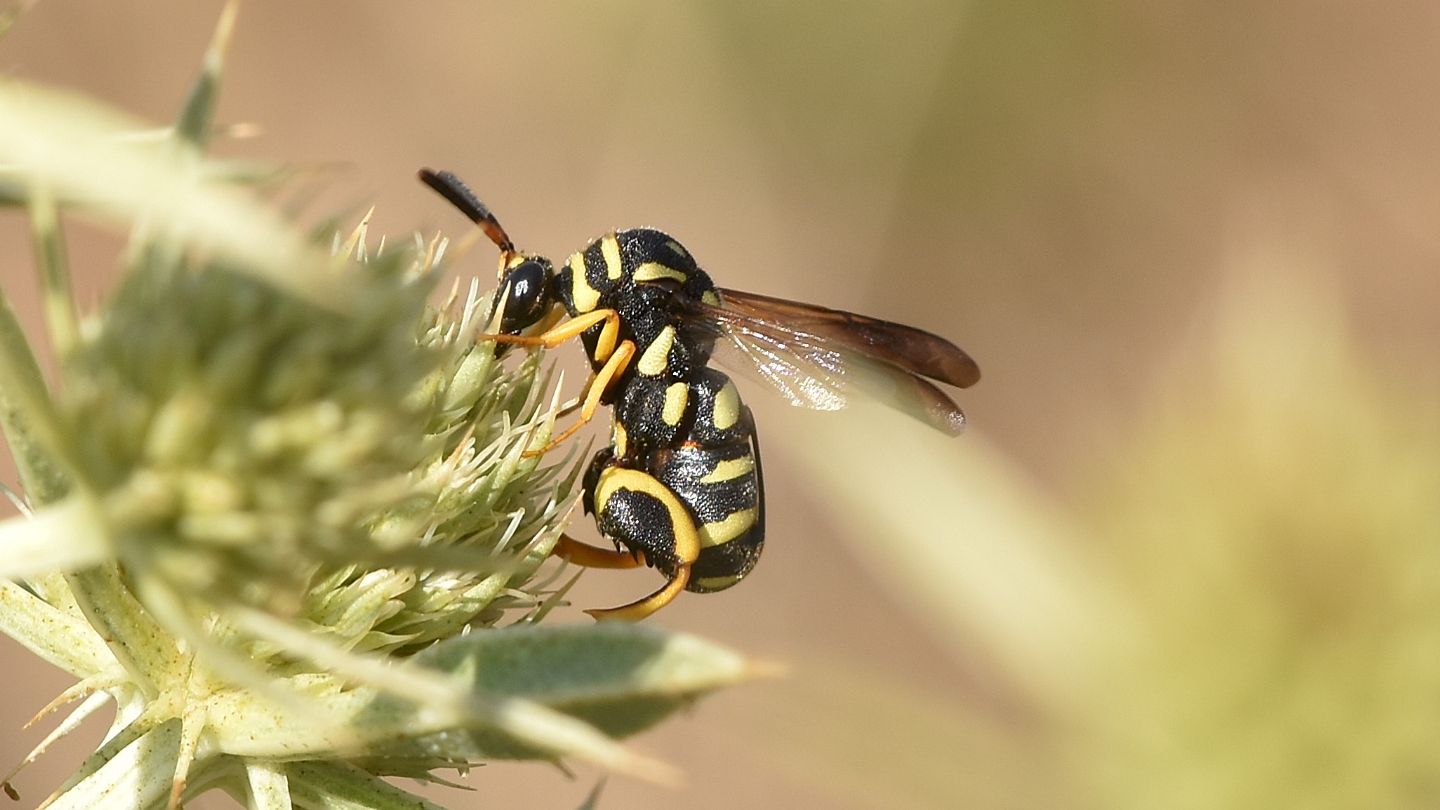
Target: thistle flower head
241	438
278	507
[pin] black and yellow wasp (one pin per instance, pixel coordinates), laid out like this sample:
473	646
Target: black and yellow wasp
680	486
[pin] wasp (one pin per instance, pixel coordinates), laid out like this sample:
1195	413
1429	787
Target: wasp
680	487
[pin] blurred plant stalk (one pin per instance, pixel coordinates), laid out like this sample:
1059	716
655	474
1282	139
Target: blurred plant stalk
1240	608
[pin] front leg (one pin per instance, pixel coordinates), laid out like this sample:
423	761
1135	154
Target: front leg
615	353
567	329
613	369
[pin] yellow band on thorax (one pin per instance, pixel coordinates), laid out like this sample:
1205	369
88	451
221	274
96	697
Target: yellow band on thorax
584	296
656	357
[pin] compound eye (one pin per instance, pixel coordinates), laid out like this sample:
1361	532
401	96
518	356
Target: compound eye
526	301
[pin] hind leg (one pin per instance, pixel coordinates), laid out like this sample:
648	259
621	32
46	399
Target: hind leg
640	608
649	520
587	556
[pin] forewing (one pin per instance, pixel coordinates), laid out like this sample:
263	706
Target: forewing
905	347
807	376
819	371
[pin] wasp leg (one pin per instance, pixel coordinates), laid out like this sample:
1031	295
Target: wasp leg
568	329
613	368
639	609
615	353
643	513
587	556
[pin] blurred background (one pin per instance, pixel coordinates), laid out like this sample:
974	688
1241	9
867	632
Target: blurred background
1192	246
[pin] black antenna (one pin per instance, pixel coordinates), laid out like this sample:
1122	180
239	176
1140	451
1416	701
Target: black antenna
452	188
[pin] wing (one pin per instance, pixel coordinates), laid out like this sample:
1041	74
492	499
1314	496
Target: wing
905	347
820	358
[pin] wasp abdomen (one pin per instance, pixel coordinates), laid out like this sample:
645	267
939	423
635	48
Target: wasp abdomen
720	487
637	511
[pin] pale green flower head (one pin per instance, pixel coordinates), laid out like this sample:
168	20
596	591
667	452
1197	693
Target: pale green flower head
241	438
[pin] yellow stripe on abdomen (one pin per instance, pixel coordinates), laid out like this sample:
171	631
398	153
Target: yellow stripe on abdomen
717	583
727	407
723	531
729	469
677	395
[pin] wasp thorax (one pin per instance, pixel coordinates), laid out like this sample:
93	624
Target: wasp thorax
525	287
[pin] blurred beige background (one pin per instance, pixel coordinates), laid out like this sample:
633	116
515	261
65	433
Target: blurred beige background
1061	189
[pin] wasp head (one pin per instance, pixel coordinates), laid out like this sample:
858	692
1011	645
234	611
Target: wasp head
525	284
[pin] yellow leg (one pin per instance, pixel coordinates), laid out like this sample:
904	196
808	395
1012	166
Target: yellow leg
635	611
615	353
568	329
613	368
587	556
687	542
